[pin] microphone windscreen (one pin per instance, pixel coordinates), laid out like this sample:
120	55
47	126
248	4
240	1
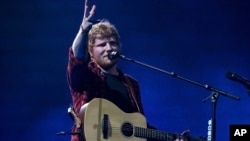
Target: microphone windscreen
113	55
229	75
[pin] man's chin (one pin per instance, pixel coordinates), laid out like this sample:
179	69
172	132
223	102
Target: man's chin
108	64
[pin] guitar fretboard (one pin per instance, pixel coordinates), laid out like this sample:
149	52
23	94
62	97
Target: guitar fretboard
153	134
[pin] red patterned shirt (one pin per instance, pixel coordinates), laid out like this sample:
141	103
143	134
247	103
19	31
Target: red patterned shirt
87	81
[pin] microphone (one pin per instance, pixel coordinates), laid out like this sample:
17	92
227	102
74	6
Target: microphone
113	54
235	77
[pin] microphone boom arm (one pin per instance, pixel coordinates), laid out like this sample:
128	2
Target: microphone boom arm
213	96
182	78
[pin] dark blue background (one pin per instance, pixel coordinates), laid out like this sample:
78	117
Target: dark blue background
198	39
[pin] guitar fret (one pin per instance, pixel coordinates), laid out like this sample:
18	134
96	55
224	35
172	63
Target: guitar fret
153	134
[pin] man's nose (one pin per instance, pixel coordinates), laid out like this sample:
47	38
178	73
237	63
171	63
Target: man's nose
108	46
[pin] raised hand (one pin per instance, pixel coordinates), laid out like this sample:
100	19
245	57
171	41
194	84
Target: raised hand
86	17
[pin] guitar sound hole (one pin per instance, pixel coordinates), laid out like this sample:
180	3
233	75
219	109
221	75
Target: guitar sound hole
127	129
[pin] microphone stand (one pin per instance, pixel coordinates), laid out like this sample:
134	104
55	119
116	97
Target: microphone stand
214	94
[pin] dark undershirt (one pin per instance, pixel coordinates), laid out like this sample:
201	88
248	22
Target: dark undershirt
118	93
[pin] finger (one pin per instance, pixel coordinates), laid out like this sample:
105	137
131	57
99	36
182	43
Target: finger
86	2
91	13
85	9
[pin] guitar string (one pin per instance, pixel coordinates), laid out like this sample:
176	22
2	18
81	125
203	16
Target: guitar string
116	126
116	130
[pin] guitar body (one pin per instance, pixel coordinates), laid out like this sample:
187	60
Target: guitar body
104	121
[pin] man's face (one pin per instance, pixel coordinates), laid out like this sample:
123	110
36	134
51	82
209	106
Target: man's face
102	47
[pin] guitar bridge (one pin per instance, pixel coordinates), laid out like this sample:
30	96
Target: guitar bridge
105	126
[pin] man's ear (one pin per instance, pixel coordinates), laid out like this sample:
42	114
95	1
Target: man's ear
90	53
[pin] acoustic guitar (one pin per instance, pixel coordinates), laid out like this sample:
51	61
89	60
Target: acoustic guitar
104	121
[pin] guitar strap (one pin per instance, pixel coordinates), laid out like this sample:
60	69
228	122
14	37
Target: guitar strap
130	86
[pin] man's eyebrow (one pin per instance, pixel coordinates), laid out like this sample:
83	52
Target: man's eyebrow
100	43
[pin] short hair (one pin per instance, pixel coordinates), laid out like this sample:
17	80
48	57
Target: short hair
105	29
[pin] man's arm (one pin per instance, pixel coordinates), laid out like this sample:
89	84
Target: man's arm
79	45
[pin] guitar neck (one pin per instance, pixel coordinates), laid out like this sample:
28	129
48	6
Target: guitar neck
153	134
159	135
